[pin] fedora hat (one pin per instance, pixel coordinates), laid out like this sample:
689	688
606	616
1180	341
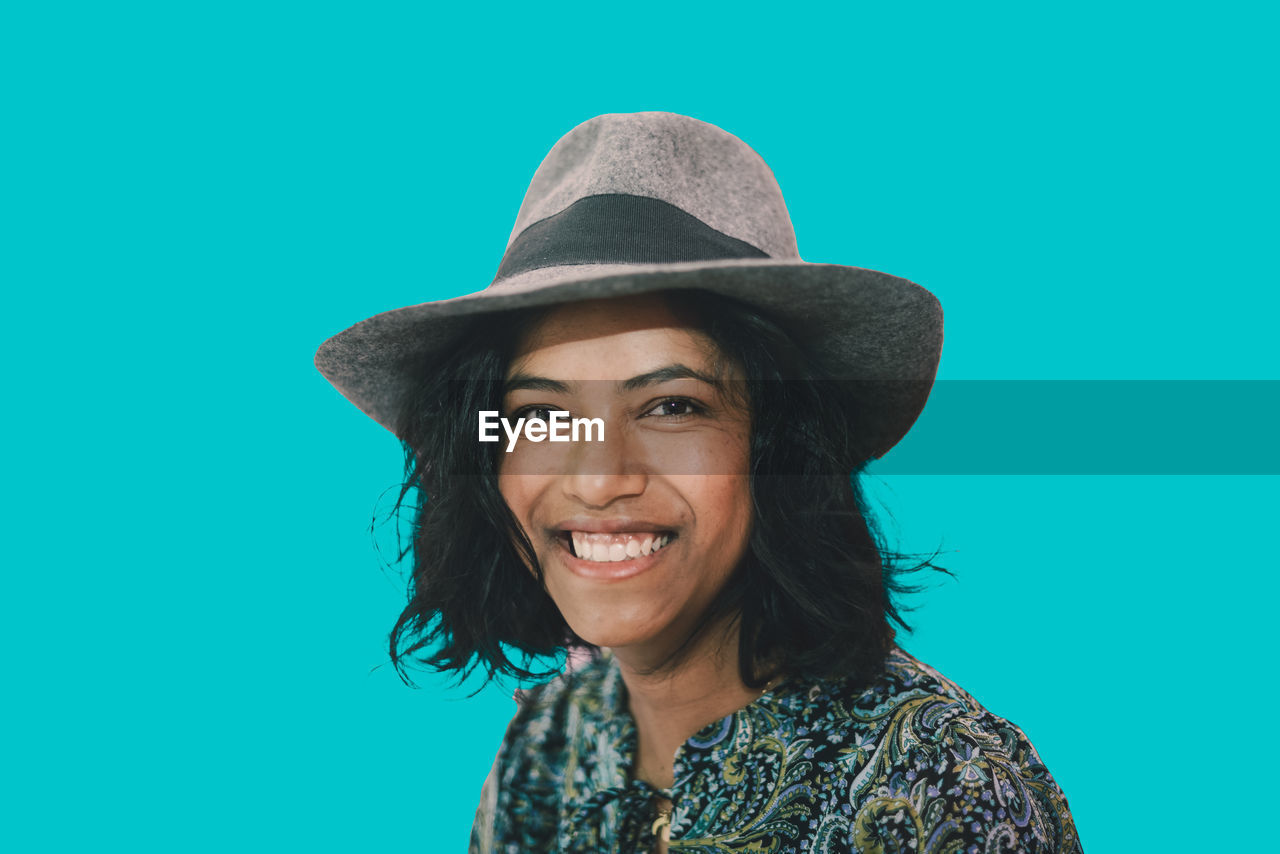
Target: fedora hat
634	203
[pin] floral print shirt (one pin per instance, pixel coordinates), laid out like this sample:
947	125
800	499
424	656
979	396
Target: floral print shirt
911	763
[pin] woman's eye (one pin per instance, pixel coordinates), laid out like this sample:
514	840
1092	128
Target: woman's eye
675	407
534	413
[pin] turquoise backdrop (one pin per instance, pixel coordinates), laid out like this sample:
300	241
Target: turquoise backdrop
195	195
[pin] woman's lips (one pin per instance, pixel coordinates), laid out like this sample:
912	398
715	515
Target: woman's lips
612	556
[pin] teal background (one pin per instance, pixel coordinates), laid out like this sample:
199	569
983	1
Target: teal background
196	195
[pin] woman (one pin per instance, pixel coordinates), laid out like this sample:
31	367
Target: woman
706	549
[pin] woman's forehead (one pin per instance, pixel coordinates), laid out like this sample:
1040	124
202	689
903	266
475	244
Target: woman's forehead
612	339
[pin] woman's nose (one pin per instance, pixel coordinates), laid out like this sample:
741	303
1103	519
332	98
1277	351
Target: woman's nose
599	473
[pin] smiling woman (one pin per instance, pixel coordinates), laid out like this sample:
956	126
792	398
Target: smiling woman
710	561
669	481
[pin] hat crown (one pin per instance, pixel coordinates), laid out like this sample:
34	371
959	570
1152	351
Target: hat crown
697	167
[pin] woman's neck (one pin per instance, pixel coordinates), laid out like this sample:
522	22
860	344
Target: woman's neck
672	705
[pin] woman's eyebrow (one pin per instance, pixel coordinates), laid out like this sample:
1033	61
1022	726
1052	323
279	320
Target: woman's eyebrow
532	383
675	371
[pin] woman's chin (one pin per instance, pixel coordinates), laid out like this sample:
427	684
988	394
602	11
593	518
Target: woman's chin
615	615
611	637
610	630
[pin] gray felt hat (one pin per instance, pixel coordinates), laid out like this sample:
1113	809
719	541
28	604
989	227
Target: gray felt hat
633	203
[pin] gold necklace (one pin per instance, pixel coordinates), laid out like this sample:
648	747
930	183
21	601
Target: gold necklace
662	824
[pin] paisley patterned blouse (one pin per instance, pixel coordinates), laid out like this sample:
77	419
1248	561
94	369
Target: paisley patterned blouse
912	763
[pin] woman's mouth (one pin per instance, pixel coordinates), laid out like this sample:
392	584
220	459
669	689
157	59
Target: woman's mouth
614	547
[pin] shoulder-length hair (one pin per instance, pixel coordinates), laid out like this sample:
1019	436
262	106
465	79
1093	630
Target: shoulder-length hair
816	592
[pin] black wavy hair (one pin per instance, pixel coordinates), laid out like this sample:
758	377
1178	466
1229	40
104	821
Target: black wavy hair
816	592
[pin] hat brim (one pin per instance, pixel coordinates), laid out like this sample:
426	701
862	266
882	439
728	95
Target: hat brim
881	332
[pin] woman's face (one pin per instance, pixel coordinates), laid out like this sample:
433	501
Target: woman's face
636	534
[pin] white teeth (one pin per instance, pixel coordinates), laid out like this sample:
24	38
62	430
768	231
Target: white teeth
609	548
